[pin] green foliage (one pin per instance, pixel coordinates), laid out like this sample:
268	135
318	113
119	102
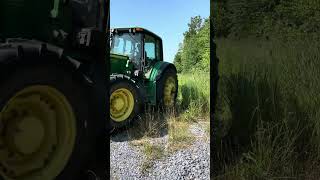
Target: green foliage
266	18
194	53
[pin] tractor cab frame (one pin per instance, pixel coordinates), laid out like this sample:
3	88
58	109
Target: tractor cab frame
142	47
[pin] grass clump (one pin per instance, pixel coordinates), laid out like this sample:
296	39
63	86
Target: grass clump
152	152
179	135
267	117
194	96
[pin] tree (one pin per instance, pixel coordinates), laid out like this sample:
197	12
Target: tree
177	59
194	52
286	19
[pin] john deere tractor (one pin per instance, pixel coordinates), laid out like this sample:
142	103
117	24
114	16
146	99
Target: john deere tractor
139	76
53	84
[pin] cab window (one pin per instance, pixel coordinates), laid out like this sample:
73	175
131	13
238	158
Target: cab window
151	48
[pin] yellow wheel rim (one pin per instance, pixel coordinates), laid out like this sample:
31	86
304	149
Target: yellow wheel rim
38	130
121	104
169	92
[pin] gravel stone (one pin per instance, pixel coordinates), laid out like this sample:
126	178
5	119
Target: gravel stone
189	163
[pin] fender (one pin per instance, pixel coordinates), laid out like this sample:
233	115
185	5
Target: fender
159	68
156	73
142	92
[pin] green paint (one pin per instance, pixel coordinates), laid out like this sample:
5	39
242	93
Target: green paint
151	89
151	83
156	69
55	11
120	64
38	19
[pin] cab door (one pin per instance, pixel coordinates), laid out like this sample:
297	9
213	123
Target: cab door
152	52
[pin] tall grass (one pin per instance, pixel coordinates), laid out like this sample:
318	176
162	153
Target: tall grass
194	96
268	115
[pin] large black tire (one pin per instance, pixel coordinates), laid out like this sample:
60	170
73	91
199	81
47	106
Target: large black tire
121	81
56	76
169	72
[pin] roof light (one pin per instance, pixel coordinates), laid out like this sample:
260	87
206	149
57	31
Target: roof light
139	29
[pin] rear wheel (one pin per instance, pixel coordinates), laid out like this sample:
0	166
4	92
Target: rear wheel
43	121
167	89
125	101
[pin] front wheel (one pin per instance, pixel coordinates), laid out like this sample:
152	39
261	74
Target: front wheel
43	120
125	101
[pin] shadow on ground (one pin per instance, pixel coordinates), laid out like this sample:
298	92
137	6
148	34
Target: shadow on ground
152	123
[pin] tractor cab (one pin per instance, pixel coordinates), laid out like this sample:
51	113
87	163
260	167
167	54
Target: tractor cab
141	47
139	76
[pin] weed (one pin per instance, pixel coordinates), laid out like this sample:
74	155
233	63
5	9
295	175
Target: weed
152	152
179	135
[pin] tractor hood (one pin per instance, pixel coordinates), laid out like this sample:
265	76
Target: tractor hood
120	57
119	63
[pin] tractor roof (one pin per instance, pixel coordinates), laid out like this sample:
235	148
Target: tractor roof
135	29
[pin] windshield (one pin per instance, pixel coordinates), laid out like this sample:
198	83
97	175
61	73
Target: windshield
127	44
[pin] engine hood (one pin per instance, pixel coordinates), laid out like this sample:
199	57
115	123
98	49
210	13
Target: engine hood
119	63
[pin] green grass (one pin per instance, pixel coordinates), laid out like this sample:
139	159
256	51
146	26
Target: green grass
194	96
268	122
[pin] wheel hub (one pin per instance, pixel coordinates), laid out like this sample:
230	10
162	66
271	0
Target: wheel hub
121	104
36	134
28	135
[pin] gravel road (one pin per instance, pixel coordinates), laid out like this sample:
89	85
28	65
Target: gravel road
188	163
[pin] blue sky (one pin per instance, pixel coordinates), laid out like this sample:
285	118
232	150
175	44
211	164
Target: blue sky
167	18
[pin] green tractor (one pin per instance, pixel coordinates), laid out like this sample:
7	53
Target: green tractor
139	76
53	84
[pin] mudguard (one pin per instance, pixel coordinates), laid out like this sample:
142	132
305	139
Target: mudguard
156	73
159	68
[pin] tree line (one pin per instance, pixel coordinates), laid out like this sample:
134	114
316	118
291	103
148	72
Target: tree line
194	52
286	19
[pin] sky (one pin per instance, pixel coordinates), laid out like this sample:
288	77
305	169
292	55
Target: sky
167	18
